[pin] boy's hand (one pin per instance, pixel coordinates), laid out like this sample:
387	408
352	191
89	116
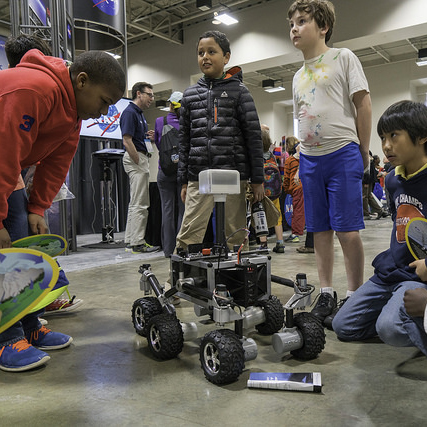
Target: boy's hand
415	301
420	269
258	192
4	239
37	224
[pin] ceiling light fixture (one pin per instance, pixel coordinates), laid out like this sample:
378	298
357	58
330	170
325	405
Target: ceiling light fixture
267	84
275	89
216	21
270	86
224	19
204	4
422	57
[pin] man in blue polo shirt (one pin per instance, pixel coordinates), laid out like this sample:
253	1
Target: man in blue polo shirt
137	143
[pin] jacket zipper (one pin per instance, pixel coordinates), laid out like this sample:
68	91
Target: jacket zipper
216	111
210	125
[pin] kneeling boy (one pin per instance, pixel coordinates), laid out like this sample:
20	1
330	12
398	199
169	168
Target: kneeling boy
377	307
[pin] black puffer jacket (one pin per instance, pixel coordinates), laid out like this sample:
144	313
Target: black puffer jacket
219	129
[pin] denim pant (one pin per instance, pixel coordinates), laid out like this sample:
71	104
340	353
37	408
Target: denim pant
16	224
379	310
17	331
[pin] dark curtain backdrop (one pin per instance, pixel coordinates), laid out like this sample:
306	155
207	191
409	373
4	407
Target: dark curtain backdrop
87	173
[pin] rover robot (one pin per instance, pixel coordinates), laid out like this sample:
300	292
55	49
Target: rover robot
228	286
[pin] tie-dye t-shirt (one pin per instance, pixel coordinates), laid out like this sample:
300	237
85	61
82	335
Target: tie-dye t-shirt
323	90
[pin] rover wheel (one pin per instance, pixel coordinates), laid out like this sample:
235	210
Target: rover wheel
165	337
313	335
222	356
143	310
274	316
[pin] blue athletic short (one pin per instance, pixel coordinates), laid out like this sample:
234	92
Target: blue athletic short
332	186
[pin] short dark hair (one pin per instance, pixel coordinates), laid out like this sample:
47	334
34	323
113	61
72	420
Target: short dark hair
219	37
17	47
101	69
405	115
140	86
323	12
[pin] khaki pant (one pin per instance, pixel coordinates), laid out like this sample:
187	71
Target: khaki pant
198	209
139	181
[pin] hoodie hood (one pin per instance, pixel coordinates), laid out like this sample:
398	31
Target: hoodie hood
56	69
231	74
234	71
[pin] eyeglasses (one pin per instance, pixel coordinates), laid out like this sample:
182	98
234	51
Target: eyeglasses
151	95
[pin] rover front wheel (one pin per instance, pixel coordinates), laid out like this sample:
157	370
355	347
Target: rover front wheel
313	335
222	356
165	337
274	316
143	310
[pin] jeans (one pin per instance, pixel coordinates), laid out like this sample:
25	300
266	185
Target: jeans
379	310
18	330
16	222
172	210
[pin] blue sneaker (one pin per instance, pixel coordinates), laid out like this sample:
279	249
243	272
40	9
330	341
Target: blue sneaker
45	339
21	356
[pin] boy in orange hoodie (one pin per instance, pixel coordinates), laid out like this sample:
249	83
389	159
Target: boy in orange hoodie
42	104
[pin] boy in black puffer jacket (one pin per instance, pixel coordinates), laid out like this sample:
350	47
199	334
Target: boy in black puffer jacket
219	129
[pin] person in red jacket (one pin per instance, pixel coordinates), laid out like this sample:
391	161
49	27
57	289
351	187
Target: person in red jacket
16	222
29	95
42	103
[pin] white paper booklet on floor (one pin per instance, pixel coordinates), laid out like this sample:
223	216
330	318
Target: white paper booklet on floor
305	381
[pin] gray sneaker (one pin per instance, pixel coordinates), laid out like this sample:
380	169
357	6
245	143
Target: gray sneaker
144	248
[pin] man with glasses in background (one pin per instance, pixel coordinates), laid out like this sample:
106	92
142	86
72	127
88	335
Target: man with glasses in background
137	143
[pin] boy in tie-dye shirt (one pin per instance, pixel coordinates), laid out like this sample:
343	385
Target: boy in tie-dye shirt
333	108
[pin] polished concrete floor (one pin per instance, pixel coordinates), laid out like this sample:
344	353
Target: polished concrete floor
108	376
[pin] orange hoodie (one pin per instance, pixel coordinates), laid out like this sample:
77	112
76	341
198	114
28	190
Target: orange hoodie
39	124
291	168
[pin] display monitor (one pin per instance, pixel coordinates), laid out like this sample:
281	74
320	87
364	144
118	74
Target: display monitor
107	126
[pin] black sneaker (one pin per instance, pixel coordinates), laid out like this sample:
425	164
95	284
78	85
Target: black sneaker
262	247
328	319
325	305
279	248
